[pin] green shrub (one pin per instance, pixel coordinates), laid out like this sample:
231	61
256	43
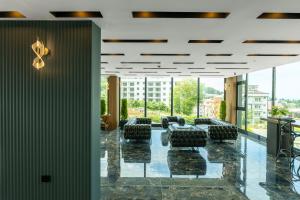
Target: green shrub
103	106
279	111
124	109
223	110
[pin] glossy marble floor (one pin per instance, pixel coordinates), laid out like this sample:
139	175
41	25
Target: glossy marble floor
154	170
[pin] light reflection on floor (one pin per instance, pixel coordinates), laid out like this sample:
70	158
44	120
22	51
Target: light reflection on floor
154	170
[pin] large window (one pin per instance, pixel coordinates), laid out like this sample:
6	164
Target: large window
158	98
103	97
259	100
211	95
133	89
287	90
185	98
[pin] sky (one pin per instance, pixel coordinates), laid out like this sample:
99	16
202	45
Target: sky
287	78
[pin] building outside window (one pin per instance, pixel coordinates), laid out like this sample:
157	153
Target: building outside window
259	101
136	101
288	91
157	104
211	95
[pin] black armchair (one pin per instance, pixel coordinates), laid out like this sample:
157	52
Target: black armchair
166	121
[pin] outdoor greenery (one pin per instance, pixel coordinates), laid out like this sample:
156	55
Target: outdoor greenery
124	109
185	102
103	106
223	110
279	111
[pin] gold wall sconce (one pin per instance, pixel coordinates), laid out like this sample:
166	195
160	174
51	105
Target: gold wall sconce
40	50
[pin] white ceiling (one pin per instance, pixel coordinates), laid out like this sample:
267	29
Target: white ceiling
240	25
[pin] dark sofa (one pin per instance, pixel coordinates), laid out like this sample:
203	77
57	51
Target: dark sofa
216	129
166	121
194	137
138	129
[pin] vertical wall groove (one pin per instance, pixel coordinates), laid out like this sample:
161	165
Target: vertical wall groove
45	117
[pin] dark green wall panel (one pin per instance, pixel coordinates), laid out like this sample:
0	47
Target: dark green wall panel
46	115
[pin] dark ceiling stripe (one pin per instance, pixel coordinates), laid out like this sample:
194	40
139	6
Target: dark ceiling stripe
219	54
140	62
124	68
226	63
272	41
183	63
135	40
112	54
165	14
138	72
205	72
160	68
104	62
11	14
232	68
205	41
279	15
165	54
77	14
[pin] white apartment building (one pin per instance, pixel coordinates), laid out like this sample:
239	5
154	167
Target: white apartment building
157	90
257	102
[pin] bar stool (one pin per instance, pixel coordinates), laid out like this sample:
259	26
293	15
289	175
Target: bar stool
285	129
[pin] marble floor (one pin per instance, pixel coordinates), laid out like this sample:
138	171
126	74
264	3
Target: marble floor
154	170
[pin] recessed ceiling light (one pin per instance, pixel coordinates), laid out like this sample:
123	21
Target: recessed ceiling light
112	54
165	54
183	63
226	63
219	54
164	14
140	62
135	40
273	55
278	15
272	41
11	14
205	41
77	14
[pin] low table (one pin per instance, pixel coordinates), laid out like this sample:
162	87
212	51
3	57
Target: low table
186	136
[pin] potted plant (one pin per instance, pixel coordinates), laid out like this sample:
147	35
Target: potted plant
124	113
103	107
278	111
223	110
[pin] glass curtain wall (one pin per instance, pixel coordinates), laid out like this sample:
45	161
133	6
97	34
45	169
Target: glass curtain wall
158	98
133	89
211	95
259	102
185	98
103	95
288	91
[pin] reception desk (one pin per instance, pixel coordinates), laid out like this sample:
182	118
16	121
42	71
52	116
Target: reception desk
274	142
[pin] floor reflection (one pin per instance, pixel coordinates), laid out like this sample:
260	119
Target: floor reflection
154	170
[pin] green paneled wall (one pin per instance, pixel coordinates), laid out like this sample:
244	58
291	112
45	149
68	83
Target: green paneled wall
49	118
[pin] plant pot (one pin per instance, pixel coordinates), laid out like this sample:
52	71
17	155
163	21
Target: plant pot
122	123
